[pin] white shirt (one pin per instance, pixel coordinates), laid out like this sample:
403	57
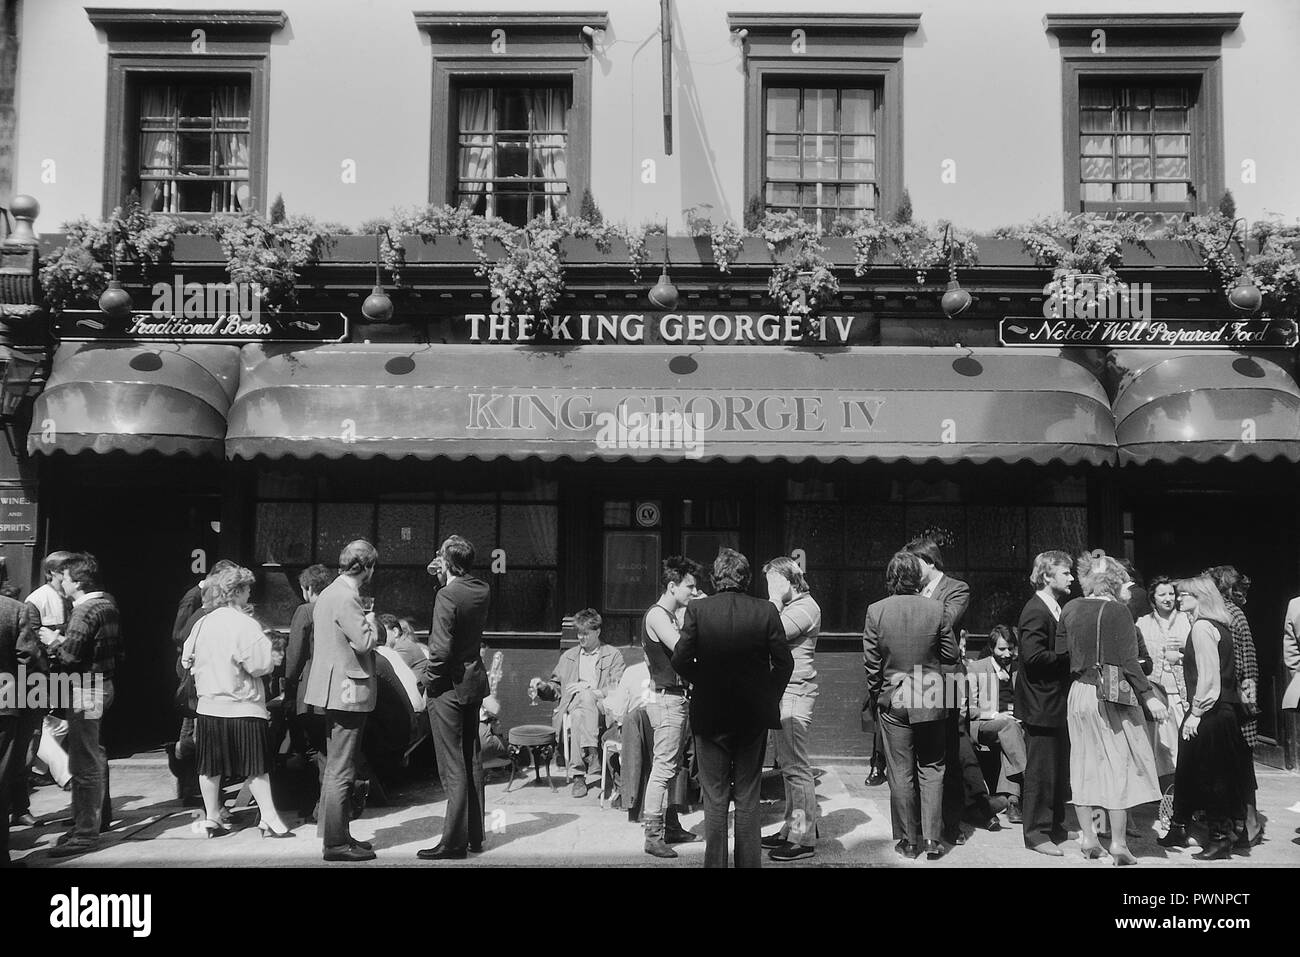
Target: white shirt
928	590
587	666
86	597
405	675
1050	601
49	603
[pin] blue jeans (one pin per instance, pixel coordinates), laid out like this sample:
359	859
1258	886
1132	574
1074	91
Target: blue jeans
667	714
88	762
796	769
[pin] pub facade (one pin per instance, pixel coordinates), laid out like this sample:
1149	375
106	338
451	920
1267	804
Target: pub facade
668	392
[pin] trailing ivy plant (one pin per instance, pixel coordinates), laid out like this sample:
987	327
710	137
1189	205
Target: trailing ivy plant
726	239
805	283
77	272
919	247
1079	244
267	255
1274	269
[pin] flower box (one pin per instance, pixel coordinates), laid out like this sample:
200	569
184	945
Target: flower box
196	248
448	249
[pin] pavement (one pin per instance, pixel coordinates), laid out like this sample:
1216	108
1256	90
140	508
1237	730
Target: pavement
532	826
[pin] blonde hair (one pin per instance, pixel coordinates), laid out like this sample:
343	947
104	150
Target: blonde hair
1209	602
1101	575
221	587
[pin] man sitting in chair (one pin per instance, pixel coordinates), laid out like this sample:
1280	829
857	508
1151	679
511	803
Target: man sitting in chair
583	677
992	721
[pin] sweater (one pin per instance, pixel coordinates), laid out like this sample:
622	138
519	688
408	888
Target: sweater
229	655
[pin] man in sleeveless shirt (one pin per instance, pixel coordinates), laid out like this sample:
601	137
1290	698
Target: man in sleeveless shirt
665	702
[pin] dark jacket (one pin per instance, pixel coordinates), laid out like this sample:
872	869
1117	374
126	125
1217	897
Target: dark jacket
733	650
297	656
954	595
1087	623
191	602
1044	683
20	644
903	633
456	638
93	639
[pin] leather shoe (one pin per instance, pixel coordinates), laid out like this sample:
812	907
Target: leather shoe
1013	813
441	853
364	845
1050	850
875	778
954	836
349	852
993	824
22	819
934	850
476	848
910	851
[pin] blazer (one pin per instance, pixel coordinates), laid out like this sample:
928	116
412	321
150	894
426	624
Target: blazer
984	691
954	595
733	650
190	602
1044	684
20	644
903	633
456	640
609	672
1291	654
297	656
342	674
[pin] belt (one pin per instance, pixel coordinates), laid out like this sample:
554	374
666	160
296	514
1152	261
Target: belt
677	691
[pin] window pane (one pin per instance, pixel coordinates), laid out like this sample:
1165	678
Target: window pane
782	110
1171	192
1096	192
196	104
475	112
783	156
337	524
631	570
512	109
820	157
1135	169
618	514
1098	168
782	194
283	533
1133	145
1138	121
512	207
818	530
407	533
819	111
1095	96
196	152
1096	121
525	601
476	158
1172	167
1132	193
863	196
477	523
529	534
512	156
1174	121
1096	145
857	111
404	592
1175	145
1171	96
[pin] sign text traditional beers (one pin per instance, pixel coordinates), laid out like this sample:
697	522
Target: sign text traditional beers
1147	334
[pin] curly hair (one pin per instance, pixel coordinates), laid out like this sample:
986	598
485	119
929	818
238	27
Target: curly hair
221	588
903	576
1101	575
1232	584
730	570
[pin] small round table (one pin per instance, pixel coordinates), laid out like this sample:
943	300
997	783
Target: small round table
539	741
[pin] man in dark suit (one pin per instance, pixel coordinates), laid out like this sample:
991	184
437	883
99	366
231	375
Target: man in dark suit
19	647
733	650
1040	698
954	595
457	685
342	682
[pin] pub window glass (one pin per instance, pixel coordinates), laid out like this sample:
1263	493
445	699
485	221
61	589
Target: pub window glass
337	524
192	144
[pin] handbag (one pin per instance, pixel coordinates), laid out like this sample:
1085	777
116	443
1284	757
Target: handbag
1114	687
187	695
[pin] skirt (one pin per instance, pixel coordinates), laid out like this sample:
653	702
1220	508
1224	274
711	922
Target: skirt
1112	765
233	747
1216	769
1166	735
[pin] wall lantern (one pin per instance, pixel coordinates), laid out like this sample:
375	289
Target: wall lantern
1244	296
663	295
115	302
378	307
956	300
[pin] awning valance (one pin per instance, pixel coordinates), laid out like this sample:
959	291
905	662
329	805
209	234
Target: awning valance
1198	406
129	397
669	403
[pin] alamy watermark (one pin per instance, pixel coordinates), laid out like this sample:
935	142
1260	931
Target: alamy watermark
1089	296
945	690
183	308
663	431
37	691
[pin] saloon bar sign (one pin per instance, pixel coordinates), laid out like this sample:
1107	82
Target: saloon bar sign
90	325
1149	333
665	328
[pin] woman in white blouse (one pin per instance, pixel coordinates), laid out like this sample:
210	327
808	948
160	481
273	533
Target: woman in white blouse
1165	633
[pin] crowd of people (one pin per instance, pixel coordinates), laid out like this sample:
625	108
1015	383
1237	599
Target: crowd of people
1105	701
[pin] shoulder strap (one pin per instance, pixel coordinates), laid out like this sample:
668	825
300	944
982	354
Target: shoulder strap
1100	612
645	620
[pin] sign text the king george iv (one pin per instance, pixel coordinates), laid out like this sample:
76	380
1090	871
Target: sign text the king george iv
1146	334
671	328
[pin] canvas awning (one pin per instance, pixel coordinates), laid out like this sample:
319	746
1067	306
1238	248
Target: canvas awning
645	402
130	397
1198	406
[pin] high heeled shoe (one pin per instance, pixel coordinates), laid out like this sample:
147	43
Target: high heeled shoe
1092	852
1219	849
211	828
265	830
1122	858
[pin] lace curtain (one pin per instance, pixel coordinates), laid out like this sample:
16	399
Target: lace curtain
550	113
158	148
475	147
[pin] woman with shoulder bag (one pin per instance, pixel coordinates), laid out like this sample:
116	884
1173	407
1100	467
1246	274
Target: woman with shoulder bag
1216	770
1112	765
228	655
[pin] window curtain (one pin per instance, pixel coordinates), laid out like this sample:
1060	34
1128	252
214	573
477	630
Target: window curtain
230	115
475	148
550	112
158	148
